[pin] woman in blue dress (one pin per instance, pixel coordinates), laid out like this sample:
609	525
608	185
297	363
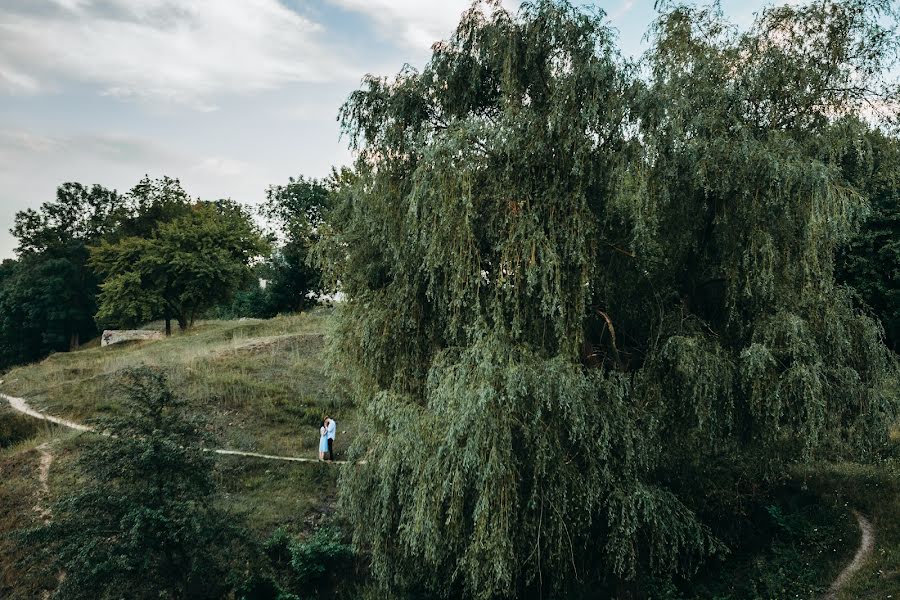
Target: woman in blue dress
323	441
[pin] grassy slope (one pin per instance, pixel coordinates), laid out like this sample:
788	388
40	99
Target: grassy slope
260	385
875	491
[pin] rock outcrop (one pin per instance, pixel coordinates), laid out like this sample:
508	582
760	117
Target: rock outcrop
117	336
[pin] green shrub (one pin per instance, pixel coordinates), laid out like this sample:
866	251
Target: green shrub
258	587
322	554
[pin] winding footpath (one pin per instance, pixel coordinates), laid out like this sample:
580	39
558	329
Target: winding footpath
43	505
866	544
20	405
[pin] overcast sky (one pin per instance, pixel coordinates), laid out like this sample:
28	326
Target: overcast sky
227	95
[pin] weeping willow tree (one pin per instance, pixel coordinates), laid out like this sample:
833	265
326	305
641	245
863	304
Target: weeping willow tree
578	291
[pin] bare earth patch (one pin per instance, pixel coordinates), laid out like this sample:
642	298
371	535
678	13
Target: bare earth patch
43	507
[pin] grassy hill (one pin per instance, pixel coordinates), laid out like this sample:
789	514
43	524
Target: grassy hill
260	385
263	386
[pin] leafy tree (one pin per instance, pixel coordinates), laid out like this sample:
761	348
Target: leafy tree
573	293
871	261
151	203
46	304
297	209
142	522
80	214
187	266
49	298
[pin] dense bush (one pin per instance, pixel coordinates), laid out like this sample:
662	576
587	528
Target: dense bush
317	565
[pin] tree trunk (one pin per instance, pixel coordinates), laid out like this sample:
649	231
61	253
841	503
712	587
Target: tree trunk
182	323
168	326
74	341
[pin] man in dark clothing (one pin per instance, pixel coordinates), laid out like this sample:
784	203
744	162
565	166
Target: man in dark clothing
330	428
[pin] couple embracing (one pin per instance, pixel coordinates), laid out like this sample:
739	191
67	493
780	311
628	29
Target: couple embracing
326	438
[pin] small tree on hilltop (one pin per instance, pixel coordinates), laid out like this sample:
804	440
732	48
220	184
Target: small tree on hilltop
185	267
297	209
142	521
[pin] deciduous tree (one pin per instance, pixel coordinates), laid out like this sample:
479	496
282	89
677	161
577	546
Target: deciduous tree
296	210
573	292
187	266
48	305
142	523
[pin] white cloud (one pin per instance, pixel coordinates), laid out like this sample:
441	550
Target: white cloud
17	146
26	141
418	23
178	51
622	10
222	166
15	82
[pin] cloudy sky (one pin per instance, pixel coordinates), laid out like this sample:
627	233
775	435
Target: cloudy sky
227	95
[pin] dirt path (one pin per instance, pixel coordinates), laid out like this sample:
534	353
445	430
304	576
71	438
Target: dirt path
866	544
22	406
43	505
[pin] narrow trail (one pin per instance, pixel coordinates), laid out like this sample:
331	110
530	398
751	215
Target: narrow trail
866	544
20	405
43	505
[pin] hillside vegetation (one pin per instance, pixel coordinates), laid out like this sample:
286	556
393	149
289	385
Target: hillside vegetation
610	328
262	386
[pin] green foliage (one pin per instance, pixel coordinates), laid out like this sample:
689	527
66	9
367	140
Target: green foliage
311	566
792	546
79	213
262	588
871	261
322	555
143	518
571	292
151	203
187	266
48	296
46	304
297	210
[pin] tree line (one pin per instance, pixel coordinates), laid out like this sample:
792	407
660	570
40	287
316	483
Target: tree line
93	258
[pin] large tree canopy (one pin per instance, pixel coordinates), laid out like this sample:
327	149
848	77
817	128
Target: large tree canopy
296	209
186	266
48	296
573	292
